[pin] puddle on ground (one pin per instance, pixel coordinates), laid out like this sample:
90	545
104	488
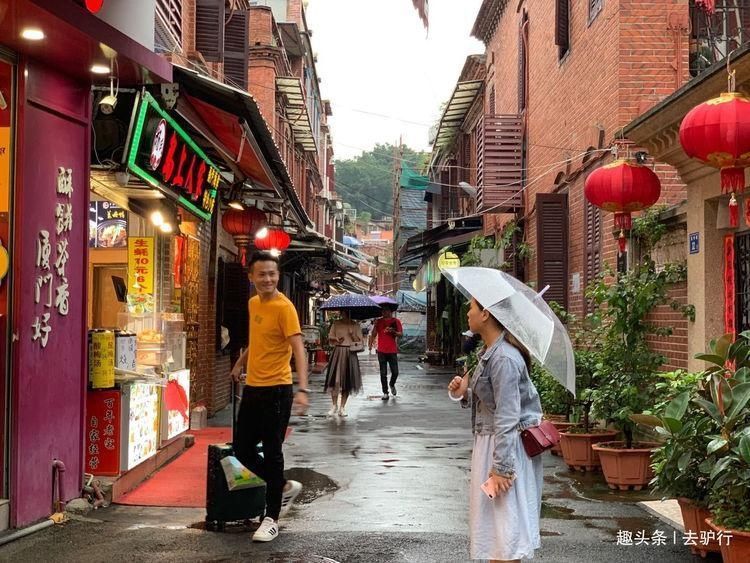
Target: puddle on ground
545	533
276	558
556	512
591	486
314	484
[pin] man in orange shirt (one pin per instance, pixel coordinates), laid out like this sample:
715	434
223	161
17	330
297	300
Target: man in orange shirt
267	399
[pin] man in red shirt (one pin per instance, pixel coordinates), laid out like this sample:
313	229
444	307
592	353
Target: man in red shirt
387	329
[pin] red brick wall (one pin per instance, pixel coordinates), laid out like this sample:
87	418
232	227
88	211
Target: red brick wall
617	66
674	347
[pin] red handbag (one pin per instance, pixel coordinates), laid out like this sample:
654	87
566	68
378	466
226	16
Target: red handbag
537	439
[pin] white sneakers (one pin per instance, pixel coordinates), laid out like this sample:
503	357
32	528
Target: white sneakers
343	413
269	528
268	531
331	413
288	495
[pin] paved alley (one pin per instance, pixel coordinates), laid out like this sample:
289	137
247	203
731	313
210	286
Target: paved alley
389	483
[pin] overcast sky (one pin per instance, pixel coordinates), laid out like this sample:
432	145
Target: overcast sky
374	57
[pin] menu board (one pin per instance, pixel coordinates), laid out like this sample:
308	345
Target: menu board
108	225
141	406
103	432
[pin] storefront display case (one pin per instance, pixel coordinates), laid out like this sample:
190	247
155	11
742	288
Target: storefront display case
160	338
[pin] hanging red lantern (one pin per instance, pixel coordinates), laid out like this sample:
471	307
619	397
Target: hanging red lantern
275	239
242	224
623	187
717	133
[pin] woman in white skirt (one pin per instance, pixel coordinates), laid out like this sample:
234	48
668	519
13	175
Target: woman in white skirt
504	520
343	377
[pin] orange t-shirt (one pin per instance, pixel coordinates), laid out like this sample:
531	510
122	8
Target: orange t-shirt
271	324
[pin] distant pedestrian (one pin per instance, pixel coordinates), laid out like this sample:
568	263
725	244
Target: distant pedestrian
387	330
267	399
343	377
504	520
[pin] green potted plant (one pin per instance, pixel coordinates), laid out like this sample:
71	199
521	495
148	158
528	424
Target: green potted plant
726	462
628	368
557	402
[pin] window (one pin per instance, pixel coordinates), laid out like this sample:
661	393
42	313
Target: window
595	6
552	246
209	29
236	49
593	216
492	101
523	60
562	27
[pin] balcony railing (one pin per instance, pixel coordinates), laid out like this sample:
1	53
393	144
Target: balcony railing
168	25
499	142
713	37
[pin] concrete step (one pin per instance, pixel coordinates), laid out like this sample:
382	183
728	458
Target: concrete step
4	514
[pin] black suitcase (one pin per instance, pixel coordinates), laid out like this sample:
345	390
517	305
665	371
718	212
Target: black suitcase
223	505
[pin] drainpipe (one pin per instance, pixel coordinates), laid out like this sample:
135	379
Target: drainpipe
58	468
18	534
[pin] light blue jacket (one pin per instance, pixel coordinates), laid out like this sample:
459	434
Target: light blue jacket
504	401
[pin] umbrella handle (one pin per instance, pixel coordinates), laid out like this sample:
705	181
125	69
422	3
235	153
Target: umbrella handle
546	287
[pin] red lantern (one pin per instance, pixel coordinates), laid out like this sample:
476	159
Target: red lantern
242	225
717	133
623	187
275	239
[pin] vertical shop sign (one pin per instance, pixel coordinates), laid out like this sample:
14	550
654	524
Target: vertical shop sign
729	285
102	359
141	274
51	291
103	432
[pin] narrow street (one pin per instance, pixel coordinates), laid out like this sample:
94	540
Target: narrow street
388	483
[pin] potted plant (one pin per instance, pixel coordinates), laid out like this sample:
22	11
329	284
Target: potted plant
726	460
627	368
557	402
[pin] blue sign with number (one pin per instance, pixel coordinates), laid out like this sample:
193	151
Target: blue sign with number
695	243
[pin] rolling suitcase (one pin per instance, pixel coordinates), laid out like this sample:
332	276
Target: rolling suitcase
223	505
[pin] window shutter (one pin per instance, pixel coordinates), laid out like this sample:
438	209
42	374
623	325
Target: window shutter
593	245
209	29
500	164
236	49
562	24
552	246
232	303
522	62
492	100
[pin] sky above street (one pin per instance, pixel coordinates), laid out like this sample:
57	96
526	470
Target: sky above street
384	74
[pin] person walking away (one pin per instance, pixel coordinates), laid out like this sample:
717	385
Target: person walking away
387	329
267	399
504	521
344	377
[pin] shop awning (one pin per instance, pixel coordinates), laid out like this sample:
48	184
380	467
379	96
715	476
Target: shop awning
231	118
428	242
75	39
296	111
455	112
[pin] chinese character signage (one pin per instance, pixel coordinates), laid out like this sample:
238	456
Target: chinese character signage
108	225
141	274
162	154
51	291
142	403
695	243
102	359
103	432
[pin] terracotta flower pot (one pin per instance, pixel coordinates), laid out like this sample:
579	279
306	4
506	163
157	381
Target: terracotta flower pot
626	468
694	519
561	427
735	545
577	452
556	417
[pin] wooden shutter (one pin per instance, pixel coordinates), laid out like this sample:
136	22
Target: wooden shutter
500	163
522	62
209	29
593	216
236	48
552	246
492	101
562	24
233	294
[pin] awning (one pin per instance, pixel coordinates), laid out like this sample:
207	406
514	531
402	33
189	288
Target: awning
455	112
428	242
234	120
296	111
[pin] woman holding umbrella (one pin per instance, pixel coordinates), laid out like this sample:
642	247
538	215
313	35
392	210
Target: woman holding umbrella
506	484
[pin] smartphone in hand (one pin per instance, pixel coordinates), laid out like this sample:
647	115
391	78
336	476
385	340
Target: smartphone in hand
487	488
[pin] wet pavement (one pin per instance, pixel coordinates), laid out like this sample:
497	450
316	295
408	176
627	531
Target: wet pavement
387	483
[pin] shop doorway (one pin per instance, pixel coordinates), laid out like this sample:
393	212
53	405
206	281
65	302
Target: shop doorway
6	136
742	280
105	301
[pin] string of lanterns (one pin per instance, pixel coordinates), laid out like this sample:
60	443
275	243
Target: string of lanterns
249	225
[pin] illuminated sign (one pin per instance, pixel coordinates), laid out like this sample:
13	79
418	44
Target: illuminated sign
448	261
141	257
94	5
162	154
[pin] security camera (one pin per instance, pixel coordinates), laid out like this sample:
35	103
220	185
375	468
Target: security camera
641	157
107	104
122	178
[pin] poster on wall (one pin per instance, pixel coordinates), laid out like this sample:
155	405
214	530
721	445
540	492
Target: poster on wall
141	275
103	432
140	415
108	225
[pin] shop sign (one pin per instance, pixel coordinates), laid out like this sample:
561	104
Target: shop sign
102	359
142	402
103	432
108	225
448	260
695	243
141	274
162	154
4	168
4	261
51	291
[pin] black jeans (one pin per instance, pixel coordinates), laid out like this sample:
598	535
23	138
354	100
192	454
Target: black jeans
386	360
264	417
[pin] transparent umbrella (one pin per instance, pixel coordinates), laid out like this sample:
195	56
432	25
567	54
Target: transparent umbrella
524	314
